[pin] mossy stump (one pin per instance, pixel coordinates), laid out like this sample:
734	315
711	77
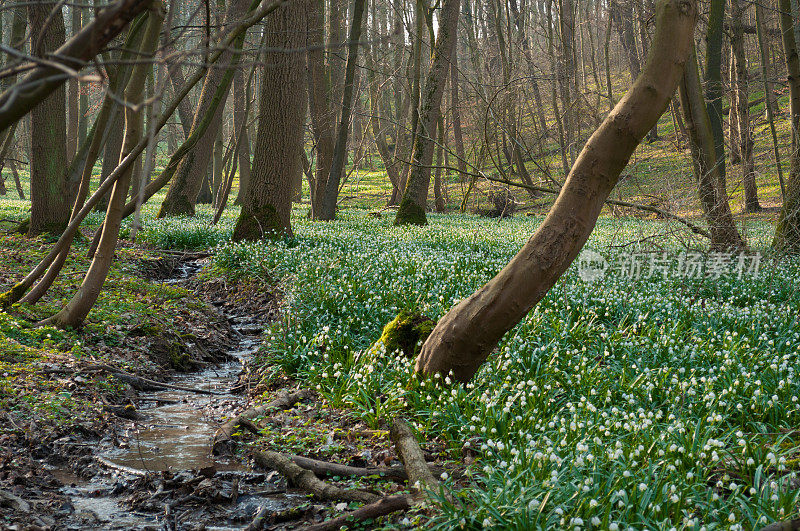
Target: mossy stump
406	333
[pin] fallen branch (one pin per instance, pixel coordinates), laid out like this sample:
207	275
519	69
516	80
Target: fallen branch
420	478
327	469
146	384
222	444
382	507
121	468
324	468
306	480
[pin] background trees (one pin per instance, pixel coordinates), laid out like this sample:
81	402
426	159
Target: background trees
491	98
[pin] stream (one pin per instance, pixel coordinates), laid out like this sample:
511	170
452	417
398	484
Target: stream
170	441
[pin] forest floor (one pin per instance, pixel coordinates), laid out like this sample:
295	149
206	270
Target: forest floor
655	402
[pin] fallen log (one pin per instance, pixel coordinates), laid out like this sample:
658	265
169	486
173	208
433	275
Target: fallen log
222	444
420	478
328	469
306	480
382	507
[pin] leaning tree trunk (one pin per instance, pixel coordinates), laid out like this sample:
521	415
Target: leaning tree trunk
463	339
740	110
787	232
267	203
76	310
415	196
50	198
191	176
710	181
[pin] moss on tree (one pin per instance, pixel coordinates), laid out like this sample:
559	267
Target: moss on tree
410	213
177	206
260	222
11	296
406	333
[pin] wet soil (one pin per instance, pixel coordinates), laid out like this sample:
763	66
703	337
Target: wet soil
150	467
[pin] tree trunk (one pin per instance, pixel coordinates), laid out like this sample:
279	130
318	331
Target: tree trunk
327	210
324	89
73	106
415	197
458	137
241	102
711	183
186	186
438	193
740	111
787	232
50	198
463	339
16	41
74	313
733	115
713	85
267	204
770	107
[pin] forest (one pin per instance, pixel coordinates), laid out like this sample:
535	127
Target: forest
400	264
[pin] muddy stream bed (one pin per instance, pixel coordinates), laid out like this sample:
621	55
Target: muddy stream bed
157	471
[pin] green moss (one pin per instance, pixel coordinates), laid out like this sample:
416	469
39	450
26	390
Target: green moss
179	206
11	296
406	333
260	222
410	213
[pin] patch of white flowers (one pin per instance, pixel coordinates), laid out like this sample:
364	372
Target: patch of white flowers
656	403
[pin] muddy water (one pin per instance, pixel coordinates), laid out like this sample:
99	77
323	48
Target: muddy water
173	435
177	428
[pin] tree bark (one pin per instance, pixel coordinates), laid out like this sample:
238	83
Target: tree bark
769	104
76	310
710	182
50	196
787	232
241	101
327	209
464	337
267	204
415	196
740	112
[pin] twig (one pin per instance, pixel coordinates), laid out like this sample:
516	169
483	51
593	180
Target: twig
122	468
